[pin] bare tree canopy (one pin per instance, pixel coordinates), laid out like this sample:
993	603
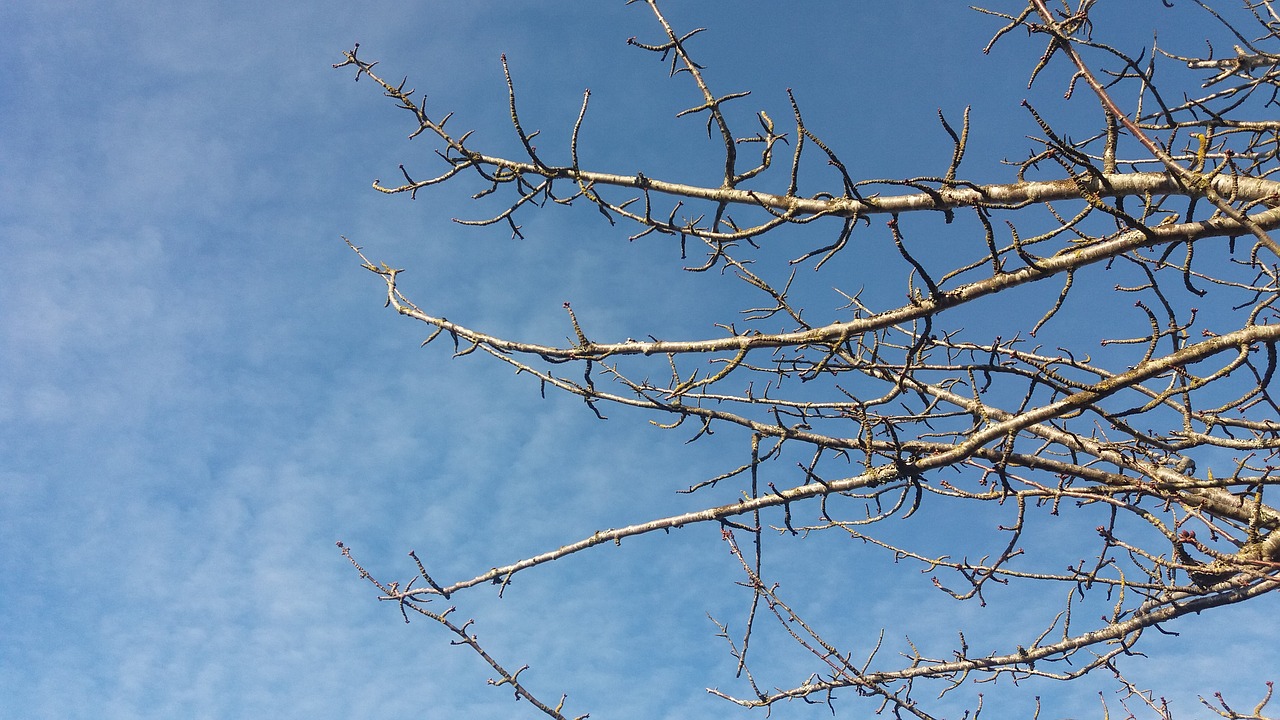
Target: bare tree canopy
1072	366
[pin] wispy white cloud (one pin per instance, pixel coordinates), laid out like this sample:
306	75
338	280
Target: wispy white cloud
200	391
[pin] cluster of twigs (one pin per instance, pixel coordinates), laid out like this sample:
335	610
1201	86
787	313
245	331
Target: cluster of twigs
1169	434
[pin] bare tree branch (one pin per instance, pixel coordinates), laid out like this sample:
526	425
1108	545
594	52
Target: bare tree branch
1150	430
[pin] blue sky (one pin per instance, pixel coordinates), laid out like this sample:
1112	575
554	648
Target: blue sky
200	391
